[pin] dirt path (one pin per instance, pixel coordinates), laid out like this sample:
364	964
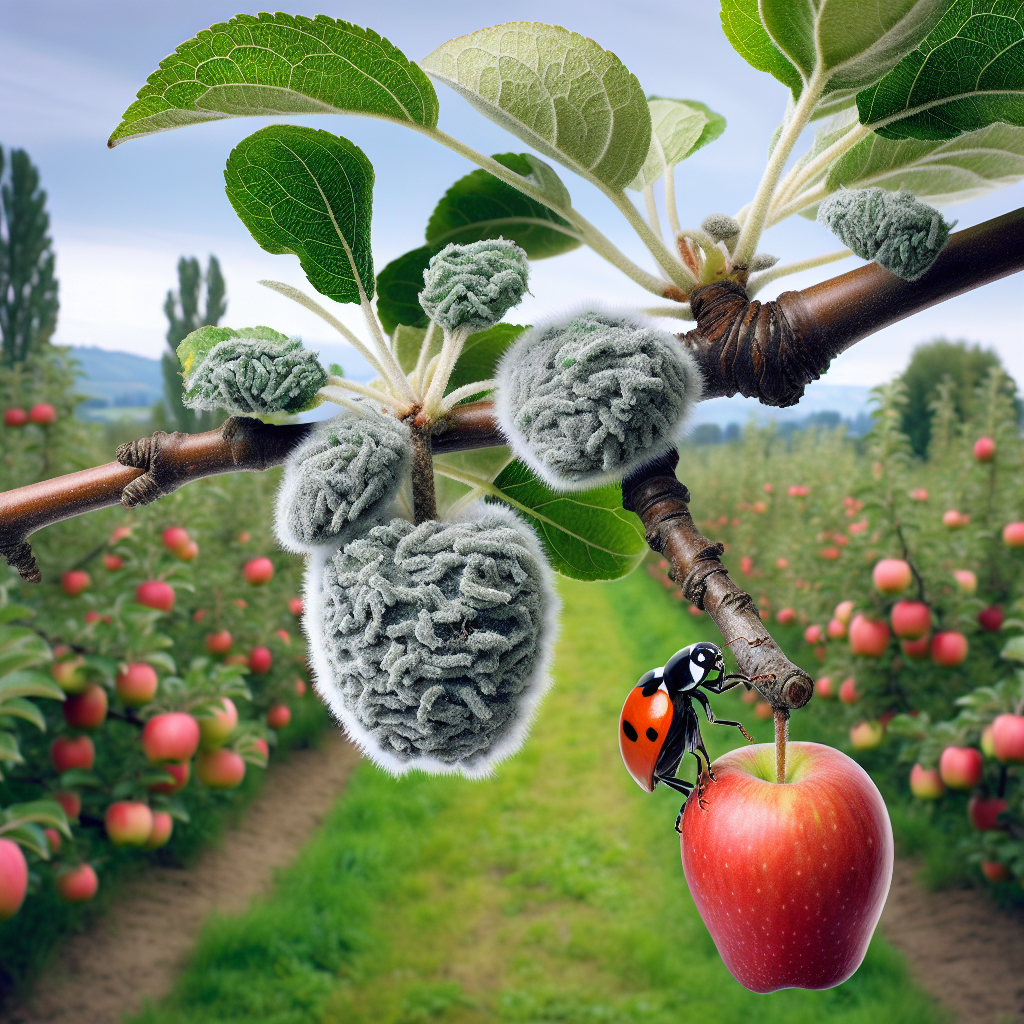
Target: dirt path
965	952
136	951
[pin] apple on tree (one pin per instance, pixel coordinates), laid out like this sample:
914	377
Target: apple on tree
949	649
892	576
179	773
163	826
75	582
216	726
220	769
219	643
136	684
67	752
961	767
15	418
1008	738
868	637
790	878
13	878
926	783
258	571
279	716
170	737
68	674
128	823
78	885
866	735
156	594
42	415
910	620
983	812
88	709
848	691
994	871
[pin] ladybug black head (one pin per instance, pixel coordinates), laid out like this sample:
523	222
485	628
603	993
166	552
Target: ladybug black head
694	665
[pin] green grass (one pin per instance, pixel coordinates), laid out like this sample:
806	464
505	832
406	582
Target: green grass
551	893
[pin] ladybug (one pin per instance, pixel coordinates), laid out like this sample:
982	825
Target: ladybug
658	724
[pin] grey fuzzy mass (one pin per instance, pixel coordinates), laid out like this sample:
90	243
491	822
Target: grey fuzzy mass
473	286
431	642
586	400
342	480
894	229
254	376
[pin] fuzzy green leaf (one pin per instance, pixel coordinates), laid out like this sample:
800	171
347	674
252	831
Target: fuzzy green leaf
557	91
19	707
407	342
481	353
274	64
482	206
197	345
587	535
967	74
310	193
28	683
741	22
680	128
398	287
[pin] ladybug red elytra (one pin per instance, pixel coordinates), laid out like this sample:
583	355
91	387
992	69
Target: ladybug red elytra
658	724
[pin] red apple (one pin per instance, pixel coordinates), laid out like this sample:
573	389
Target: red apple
843	611
1008	738
763	710
236	659
115	563
848	691
781	563
219	643
163	826
284	636
128	823
75	582
262	746
916	649
866	735
984	449
994	871
260	661
92	616
911	620
983	812
240	602
926	783
42	414
954	520
991	619
215	730
220	769
176	538
188	553
960	767
1013	535
78	885
68	674
15	418
295	606
71	802
88	709
891	576
53	840
836	629
830	554
136	684
868	637
279	716
244	537
785	617
825	688
949	649
965	580
155	594
789	879
918	494
300	687
67	752
798	491
120	533
258	571
180	774
812	634
13	878
170	737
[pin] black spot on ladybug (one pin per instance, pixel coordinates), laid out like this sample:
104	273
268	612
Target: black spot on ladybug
631	733
652	734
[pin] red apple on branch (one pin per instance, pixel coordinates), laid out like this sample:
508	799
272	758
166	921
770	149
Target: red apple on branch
136	684
88	709
176	538
78	885
891	576
926	783
789	879
949	649
220	769
983	812
984	449
1013	535
260	660
258	571
868	637
961	767
279	716
68	674
785	616
15	418
866	735
991	619
179	773
43	414
170	737
295	606
994	871
910	620
215	729
128	823
13	878
75	582
219	643
156	594
848	691
163	826
71	802
916	649
1008	738
67	752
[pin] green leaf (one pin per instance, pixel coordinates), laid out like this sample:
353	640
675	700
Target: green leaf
557	91
587	535
197	345
481	353
46	813
741	22
398	287
941	173
76	778
680	128
407	342
9	750
481	463
967	74
1014	650
21	647
28	683
275	64
162	661
32	837
18	707
481	206
310	193
10	612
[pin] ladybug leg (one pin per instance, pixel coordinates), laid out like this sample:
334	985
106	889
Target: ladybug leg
706	704
680	786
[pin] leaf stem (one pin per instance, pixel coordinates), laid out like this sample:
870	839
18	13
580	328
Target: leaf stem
680	312
672	266
802	201
417	380
652	210
799	176
781	735
759	281
671	210
467	391
450	352
757	215
330	391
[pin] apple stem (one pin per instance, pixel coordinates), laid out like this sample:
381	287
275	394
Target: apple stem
781	734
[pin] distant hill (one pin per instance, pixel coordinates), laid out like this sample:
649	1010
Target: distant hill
118	378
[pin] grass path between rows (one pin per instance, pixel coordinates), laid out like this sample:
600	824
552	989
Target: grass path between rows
551	893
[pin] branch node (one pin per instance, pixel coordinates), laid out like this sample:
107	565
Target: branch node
19	556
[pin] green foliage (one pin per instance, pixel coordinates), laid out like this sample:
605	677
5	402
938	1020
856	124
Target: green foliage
967	73
965	365
587	535
592	118
547	869
308	193
679	129
398	287
741	22
482	353
28	287
184	317
280	64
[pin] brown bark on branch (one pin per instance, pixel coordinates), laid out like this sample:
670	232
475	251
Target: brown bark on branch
660	500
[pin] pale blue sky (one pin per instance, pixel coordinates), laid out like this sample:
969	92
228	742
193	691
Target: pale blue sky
121	218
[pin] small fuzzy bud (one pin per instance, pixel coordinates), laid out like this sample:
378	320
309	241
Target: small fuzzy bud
341	480
762	261
586	400
432	643
252	372
895	229
474	286
720	226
